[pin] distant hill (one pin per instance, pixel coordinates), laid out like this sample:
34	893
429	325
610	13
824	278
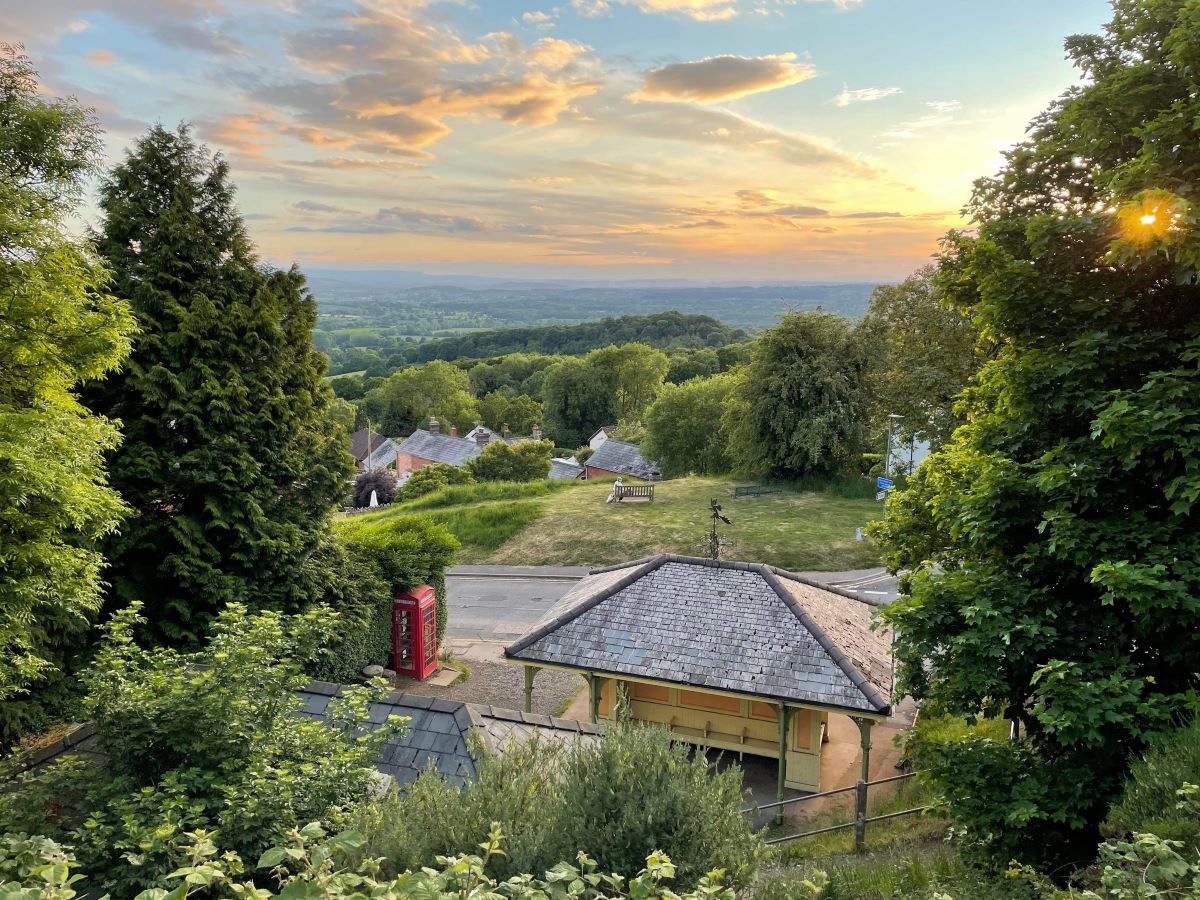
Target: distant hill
666	330
409	306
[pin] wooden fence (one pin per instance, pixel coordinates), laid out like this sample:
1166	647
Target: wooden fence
861	818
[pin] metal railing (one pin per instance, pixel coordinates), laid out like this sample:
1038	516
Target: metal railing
861	819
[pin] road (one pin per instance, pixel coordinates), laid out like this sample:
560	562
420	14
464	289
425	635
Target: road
500	603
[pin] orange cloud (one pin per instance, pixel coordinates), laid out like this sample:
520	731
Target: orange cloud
101	57
720	78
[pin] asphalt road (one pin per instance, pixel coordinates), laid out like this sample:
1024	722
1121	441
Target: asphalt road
499	603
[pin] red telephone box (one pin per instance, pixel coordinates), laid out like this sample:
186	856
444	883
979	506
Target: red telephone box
414	633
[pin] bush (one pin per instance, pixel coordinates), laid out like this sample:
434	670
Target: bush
309	865
208	740
633	789
1149	802
384	554
382	482
430	479
500	461
1005	803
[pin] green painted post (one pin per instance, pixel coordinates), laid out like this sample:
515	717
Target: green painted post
860	792
864	731
784	715
530	673
594	684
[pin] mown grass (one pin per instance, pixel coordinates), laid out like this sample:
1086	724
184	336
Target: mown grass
569	523
796	529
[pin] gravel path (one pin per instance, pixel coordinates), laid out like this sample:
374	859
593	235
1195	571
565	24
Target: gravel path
502	684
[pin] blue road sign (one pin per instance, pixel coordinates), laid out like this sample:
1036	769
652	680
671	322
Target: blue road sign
884	483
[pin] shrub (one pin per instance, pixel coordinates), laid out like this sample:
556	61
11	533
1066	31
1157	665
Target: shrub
633	789
384	554
208	740
1149	802
309	865
430	479
500	461
382	482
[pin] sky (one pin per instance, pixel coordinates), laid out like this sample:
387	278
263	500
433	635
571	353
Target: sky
722	140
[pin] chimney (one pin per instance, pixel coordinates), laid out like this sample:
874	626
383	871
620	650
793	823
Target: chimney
453	431
434	427
536	432
506	431
481	437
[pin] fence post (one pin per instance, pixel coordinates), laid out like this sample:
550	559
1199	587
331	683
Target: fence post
860	815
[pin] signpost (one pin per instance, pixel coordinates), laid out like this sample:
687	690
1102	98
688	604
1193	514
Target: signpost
884	484
881	495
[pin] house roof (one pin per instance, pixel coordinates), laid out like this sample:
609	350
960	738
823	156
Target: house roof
744	628
438	733
442	448
382	455
624	459
564	470
358	443
603	429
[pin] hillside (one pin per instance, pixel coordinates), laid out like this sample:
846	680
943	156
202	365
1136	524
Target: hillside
668	330
572	524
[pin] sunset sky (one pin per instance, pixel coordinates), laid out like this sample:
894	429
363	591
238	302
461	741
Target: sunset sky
710	139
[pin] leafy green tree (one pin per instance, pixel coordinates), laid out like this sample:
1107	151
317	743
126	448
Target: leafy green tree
577	398
800	407
428	479
58	327
924	352
231	461
408	398
688	364
519	413
501	461
209	741
1053	542
683	432
636	372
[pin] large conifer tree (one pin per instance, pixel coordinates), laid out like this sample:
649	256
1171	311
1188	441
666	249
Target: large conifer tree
230	461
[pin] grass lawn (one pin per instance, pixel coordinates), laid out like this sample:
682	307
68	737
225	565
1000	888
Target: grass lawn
570	524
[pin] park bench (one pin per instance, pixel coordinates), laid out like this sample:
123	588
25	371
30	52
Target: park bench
633	492
756	490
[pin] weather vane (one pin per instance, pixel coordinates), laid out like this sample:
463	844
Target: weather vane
714	539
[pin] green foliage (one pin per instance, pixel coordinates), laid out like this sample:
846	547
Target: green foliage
1149	866
683	432
311	864
636	373
35	868
924	352
379	481
485	527
489	491
400	552
688	364
800	407
231	461
1149	802
432	478
632	789
663	330
501	461
519	413
577	399
58	327
1053	542
408	398
212	739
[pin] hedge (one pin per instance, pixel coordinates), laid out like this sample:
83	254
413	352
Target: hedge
379	558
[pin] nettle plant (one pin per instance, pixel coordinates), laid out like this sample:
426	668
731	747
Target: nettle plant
206	742
309	864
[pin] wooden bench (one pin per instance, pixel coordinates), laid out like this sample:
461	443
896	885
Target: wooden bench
757	490
633	492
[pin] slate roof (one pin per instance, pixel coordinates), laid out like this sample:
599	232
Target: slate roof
440	448
438	734
564	470
358	443
744	628
383	455
624	459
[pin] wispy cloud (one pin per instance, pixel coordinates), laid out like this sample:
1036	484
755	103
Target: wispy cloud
864	95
